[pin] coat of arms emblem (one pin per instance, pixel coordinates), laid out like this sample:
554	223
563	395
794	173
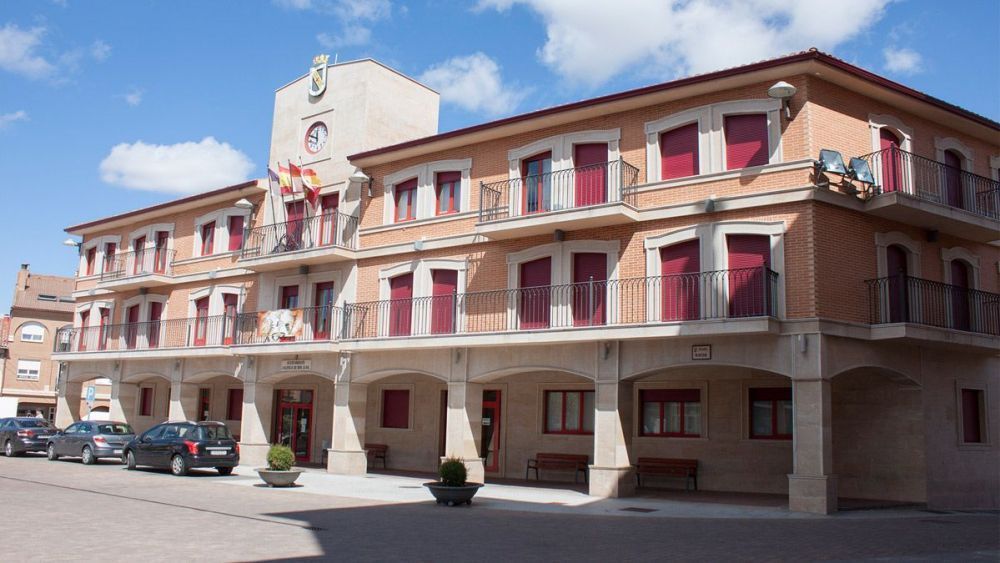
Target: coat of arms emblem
317	75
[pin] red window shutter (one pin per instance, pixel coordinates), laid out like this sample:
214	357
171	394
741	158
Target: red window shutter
971	424
229	302
109	256
235	232
445	285
749	291
395	408
131	331
535	302
146	401
591	175
405	194
208	238
201	321
679	152
536	173
953	178
294	212
960	306
323	313
588	298
91	255
771	394
234	405
746	140
680	266
448	186
289	297
670	395
401	305
892	163
328	219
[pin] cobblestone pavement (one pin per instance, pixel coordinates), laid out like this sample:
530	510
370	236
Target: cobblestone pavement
65	511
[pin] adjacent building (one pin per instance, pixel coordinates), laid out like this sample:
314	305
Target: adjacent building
675	272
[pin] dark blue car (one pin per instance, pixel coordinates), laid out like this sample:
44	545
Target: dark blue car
180	446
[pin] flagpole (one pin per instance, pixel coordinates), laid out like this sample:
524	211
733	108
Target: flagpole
305	202
270	195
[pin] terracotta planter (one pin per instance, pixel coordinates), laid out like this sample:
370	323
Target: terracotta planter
453	496
279	478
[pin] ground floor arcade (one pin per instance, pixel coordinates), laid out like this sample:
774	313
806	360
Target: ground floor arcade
815	417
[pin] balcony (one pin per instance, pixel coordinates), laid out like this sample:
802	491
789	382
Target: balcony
329	237
137	268
290	330
900	300
578	198
920	191
718	298
161	338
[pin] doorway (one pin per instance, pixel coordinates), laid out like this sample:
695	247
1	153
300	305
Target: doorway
490	448
295	421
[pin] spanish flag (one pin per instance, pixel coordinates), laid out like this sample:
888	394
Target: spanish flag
284	180
311	184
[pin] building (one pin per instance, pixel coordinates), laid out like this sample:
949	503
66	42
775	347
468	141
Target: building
41	306
663	272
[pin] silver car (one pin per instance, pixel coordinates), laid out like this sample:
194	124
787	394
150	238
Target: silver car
90	441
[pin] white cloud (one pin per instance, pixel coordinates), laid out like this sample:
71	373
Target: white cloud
17	51
474	83
902	60
348	37
180	168
590	42
100	50
13	117
354	18
134	96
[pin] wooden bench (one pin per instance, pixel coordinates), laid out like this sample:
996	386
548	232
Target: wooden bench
377	452
686	468
565	462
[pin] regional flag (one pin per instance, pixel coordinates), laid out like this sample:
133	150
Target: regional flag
272	179
284	180
311	183
296	173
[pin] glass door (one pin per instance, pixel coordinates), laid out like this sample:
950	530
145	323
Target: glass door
490	450
295	422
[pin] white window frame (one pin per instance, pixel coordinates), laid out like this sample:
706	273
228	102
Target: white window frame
423	286
995	167
32	325
221	218
425	202
149	231
24	373
99	244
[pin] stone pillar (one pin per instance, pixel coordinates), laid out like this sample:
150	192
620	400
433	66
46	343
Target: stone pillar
183	398
258	399
463	435
813	486
347	454
123	397
68	396
612	474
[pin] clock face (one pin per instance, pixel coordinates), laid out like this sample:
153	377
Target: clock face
316	137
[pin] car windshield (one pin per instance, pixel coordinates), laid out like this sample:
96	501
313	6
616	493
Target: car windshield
214	433
115	429
33	423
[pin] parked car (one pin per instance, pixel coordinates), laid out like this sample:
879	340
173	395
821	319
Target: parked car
180	446
90	440
24	434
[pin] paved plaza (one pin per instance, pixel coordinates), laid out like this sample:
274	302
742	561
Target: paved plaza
86	513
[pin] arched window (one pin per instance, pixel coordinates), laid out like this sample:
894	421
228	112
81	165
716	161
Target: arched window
32	332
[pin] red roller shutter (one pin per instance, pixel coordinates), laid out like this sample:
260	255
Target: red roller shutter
401	305
536	280
679	152
591	176
749	287
588	298
680	265
443	314
235	232
670	395
746	140
395	408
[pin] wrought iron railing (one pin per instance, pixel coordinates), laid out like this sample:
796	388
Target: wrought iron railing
749	292
896	170
905	299
137	263
584	186
332	229
216	330
306	324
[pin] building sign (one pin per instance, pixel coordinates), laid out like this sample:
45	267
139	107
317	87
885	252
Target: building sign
296	365
279	326
91	395
701	352
317	75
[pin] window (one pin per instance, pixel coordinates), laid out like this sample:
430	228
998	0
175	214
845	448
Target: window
32	332
449	185
208	238
289	297
146	401
29	369
204	403
160	254
395	408
235	232
406	194
671	412
537	179
679	152
972	416
746	140
109	256
234	405
569	412
771	413
91	255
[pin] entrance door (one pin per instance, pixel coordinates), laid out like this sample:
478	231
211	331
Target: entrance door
295	421
490	448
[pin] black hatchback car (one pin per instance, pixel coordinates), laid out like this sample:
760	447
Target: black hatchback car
24	434
180	446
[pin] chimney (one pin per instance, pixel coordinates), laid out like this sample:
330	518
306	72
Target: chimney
22	278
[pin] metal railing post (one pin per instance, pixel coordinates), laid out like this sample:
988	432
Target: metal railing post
590	301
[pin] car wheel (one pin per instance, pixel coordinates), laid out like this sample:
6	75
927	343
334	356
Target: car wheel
8	449
129	461
87	456
178	466
224	470
51	452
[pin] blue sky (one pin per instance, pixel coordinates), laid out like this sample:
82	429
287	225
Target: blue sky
110	106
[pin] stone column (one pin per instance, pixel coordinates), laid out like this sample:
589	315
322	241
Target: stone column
612	474
183	398
123	397
258	399
347	454
813	486
463	435
68	396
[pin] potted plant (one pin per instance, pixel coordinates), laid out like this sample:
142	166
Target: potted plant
279	472
451	487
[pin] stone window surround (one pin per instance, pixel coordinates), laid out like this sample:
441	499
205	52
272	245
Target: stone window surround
948	255
425	205
984	413
149	231
714	256
307	286
380	405
884	240
100	244
216	305
221	218
878	121
942	144
701	385
711	133
94	308
423	284
995	167
144	302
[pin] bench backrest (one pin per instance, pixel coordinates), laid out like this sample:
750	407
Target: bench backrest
576	458
376	448
667	462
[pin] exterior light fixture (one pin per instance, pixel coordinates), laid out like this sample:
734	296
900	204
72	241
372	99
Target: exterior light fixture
782	91
418	245
831	162
860	171
71	242
709	205
244	204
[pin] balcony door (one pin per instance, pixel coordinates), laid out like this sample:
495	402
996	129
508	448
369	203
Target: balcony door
84	331
749	287
892	161
535	290
953	179
537	175
294	215
155	316
680	267
138	255
899	301
328	219
131	326
590	280
229	302
201	321
323	313
160	254
443	301
960	311
400	305
591	174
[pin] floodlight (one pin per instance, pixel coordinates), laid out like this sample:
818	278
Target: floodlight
781	90
860	171
831	162
244	204
71	242
358	176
